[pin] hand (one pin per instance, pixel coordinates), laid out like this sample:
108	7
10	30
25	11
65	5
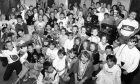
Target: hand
125	72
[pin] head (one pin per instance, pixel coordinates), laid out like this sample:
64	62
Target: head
104	39
12	16
3	17
93	47
40	18
62	15
132	42
116	43
77	41
80	14
61	53
19	19
132	15
48	67
52	15
111	60
30	48
106	16
75	29
35	10
21	33
41	12
41	58
70	35
83	30
63	31
85	45
98	4
52	45
9	45
109	50
84	57
94	32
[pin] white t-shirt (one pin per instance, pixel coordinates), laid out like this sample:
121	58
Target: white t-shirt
127	27
130	57
109	75
12	56
52	53
68	45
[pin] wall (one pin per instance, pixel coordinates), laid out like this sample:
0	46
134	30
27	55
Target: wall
126	3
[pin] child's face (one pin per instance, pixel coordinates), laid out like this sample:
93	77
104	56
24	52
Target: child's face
77	42
72	55
19	20
61	56
52	47
95	32
70	37
83	31
42	60
108	51
63	32
115	44
84	59
131	44
104	40
30	48
62	16
110	63
9	46
40	18
92	47
74	30
85	45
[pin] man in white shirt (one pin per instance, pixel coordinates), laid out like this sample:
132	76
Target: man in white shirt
128	28
128	57
13	60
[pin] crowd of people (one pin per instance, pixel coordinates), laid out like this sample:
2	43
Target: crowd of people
78	45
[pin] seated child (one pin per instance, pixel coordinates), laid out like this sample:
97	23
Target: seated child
111	73
48	75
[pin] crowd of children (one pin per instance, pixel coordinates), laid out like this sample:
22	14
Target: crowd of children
78	45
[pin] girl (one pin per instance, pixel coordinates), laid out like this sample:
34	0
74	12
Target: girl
48	75
101	47
83	34
111	73
40	25
94	37
80	20
76	46
85	46
82	69
75	31
12	22
63	37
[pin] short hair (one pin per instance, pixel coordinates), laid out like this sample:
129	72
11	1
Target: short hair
21	30
52	42
86	54
61	51
106	14
96	46
47	64
133	39
109	47
19	17
112	58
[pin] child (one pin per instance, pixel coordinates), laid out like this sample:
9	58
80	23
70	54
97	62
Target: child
82	69
77	44
68	45
111	72
12	22
62	19
83	34
63	37
48	75
116	46
75	31
13	60
52	50
101	46
94	37
21	25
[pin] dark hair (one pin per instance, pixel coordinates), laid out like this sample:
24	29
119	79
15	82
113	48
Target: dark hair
109	47
47	64
52	42
112	58
96	46
21	30
30	45
61	51
106	14
19	17
133	39
86	54
77	38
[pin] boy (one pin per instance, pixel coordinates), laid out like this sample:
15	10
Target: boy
128	57
13	60
111	73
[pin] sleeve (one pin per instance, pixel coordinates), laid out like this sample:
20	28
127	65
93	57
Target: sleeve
26	29
135	63
120	25
3	54
56	81
23	58
40	79
118	77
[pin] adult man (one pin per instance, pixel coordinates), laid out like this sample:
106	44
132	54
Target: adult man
128	28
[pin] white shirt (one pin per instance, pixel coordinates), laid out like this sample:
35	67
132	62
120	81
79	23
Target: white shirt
68	45
52	53
10	55
64	21
109	75
130	57
127	27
